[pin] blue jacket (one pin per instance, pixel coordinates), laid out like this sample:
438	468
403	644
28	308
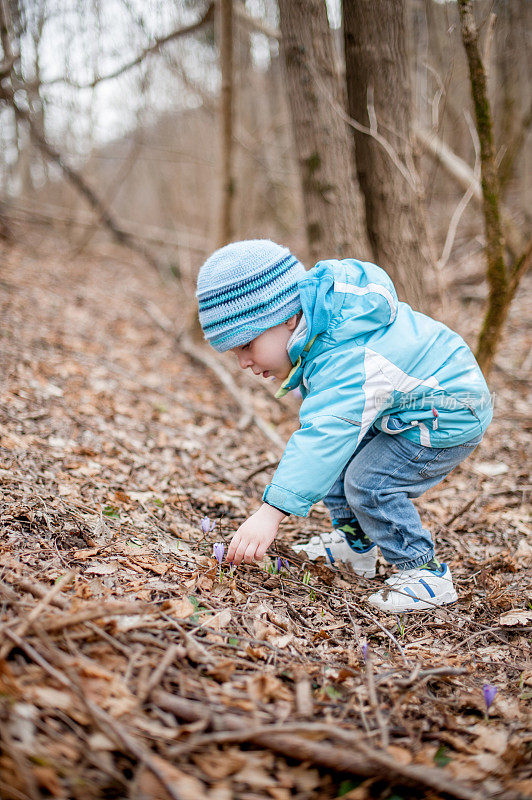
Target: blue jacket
363	358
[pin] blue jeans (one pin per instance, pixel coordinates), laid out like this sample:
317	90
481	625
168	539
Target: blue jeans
376	486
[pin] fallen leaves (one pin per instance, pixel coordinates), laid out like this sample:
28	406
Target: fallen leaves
112	481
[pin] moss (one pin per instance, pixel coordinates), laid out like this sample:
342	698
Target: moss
314	232
313	163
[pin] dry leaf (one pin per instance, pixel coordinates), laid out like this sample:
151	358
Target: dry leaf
516	617
218	620
400	754
255	776
490	468
185	786
98	741
180	608
265	688
491	738
282	641
101	532
222	670
46	697
101	568
216	764
47	778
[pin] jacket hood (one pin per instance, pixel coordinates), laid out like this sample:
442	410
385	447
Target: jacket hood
342	299
347	298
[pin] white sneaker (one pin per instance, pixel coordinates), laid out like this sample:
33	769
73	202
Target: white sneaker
415	590
334	546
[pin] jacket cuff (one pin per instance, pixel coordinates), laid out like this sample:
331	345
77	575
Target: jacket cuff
287	501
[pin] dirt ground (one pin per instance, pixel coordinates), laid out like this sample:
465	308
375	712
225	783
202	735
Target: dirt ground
133	666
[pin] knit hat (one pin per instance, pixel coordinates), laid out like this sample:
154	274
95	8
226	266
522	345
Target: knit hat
245	288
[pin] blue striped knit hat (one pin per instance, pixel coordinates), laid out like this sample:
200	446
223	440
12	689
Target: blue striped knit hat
245	288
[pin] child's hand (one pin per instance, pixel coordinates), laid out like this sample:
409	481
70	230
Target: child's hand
255	535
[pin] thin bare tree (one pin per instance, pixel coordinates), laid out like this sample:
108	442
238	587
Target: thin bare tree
227	177
503	281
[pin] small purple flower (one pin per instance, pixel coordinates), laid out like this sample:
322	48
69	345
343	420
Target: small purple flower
489	693
206	524
287	565
364	650
218	551
279	563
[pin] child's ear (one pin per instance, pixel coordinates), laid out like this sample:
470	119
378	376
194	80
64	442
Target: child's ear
292	322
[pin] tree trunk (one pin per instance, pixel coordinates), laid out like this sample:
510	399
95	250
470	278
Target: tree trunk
333	206
379	96
227	179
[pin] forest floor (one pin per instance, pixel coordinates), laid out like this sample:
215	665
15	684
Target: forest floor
132	666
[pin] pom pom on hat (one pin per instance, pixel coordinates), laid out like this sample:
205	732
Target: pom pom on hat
245	288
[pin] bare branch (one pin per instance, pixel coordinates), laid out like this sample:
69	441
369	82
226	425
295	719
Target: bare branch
255	24
371	131
153	48
464	176
464	200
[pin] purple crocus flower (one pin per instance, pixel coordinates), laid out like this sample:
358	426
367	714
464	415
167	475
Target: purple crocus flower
206	524
218	551
489	693
279	563
364	650
287	565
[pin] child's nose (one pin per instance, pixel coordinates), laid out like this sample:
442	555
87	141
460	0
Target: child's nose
244	360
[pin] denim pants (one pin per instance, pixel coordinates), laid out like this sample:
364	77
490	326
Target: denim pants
376	486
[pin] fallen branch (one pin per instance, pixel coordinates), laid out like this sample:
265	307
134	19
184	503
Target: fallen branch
360	760
240	396
75	178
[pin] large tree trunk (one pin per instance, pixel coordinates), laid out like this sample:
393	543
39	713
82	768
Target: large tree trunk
378	76
333	206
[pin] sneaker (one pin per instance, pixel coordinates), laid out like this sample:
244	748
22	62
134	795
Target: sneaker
416	590
334	546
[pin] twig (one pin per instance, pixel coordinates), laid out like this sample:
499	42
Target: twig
379	625
464	200
356	628
261	468
104	720
427	674
374	700
35	656
168	658
26	624
100	612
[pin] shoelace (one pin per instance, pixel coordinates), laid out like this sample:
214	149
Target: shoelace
330	537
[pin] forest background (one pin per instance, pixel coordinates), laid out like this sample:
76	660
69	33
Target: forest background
135	138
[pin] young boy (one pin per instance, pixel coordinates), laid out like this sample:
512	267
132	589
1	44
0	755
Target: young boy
392	402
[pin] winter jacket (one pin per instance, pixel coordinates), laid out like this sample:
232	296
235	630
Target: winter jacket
363	358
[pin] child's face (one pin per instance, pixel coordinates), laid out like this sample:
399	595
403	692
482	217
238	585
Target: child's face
267	354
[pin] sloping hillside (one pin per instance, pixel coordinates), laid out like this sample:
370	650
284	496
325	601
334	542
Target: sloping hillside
133	666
